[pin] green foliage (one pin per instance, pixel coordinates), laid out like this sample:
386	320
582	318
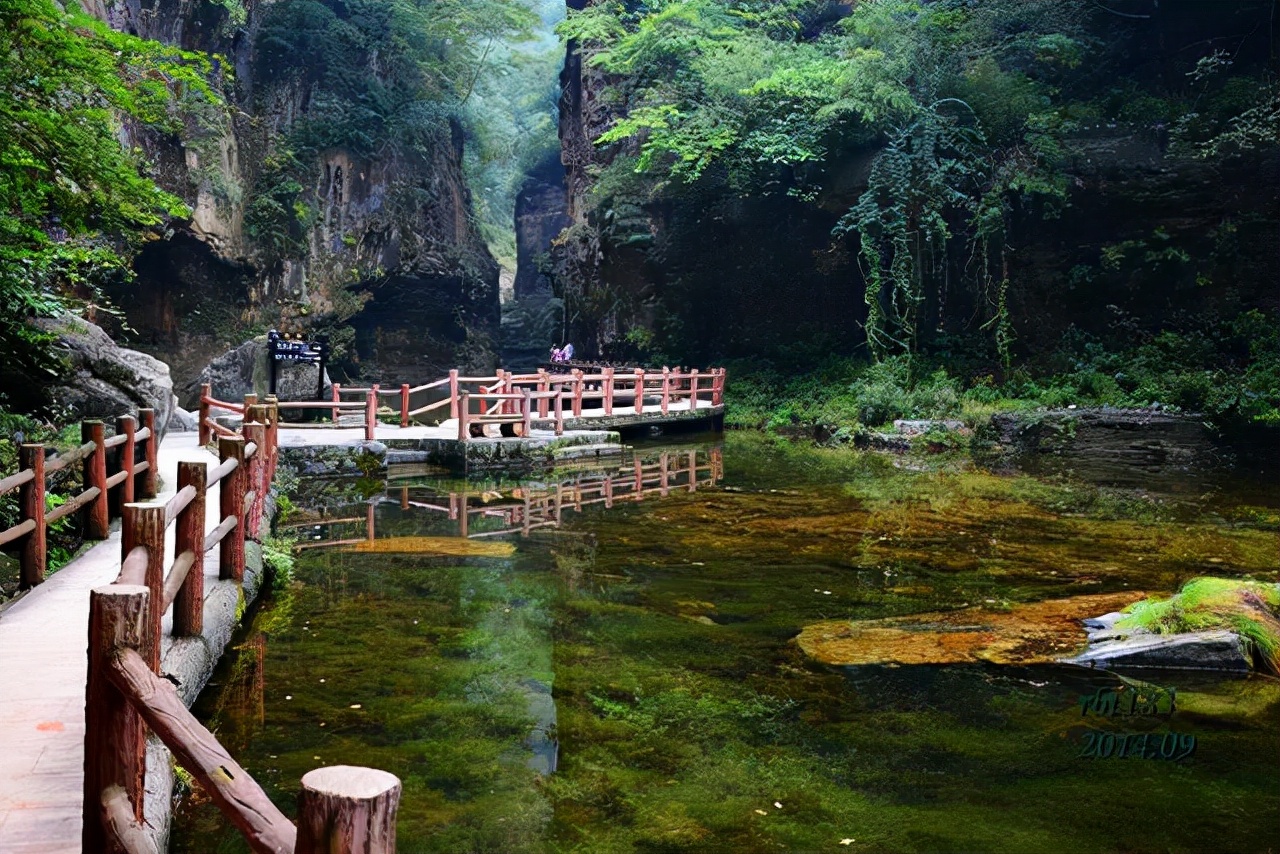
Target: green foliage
72	199
1228	371
1250	608
278	558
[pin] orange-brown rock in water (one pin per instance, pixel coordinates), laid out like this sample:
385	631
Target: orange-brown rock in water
1034	633
450	546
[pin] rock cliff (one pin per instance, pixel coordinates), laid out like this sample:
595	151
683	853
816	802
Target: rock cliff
328	236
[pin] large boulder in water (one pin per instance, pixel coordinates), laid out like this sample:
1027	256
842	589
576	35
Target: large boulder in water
106	380
246	370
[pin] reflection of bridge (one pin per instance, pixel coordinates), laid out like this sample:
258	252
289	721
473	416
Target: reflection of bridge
527	508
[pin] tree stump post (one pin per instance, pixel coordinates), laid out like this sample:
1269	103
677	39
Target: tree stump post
205	431
115	737
126	458
666	389
231	505
336	396
526	412
461	405
31	499
97	513
639	391
188	608
453	393
344	808
404	404
151	477
370	413
577	392
144	526
256	466
608	391
544	385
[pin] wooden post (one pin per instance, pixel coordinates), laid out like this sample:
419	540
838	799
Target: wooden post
370	518
97	513
231	491
577	392
639	467
526	410
461	408
205	431
544	385
336	396
188	608
693	389
717	389
115	737
404	404
238	796
370	413
255	433
664	468
508	406
608	391
343	808
404	498
125	459
693	471
464	516
639	390
250	401
151	477
559	399
144	526
35	554
273	437
608	491
666	388
453	393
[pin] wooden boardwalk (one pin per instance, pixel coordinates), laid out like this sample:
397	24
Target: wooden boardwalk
43	662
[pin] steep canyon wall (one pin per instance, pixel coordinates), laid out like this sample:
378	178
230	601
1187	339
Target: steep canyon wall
376	247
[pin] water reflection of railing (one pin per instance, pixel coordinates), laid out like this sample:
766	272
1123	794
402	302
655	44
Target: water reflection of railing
528	508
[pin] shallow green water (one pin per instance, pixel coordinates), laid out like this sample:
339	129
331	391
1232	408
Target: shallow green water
628	679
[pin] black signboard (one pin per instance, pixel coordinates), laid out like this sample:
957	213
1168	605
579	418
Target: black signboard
280	348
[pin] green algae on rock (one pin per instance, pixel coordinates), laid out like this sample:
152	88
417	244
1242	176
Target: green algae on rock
1036	633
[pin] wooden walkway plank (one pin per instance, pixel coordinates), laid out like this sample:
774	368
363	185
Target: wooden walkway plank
43	637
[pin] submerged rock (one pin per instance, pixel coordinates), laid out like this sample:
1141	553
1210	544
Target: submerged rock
1211	624
1218	649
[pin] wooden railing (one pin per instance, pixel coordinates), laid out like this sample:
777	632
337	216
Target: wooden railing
125	693
529	509
502	399
98	502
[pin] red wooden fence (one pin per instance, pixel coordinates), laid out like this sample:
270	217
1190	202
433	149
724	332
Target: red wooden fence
511	402
125	695
100	499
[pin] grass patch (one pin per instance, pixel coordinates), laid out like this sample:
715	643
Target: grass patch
1250	608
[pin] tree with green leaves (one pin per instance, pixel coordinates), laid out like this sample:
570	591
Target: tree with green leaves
73	200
